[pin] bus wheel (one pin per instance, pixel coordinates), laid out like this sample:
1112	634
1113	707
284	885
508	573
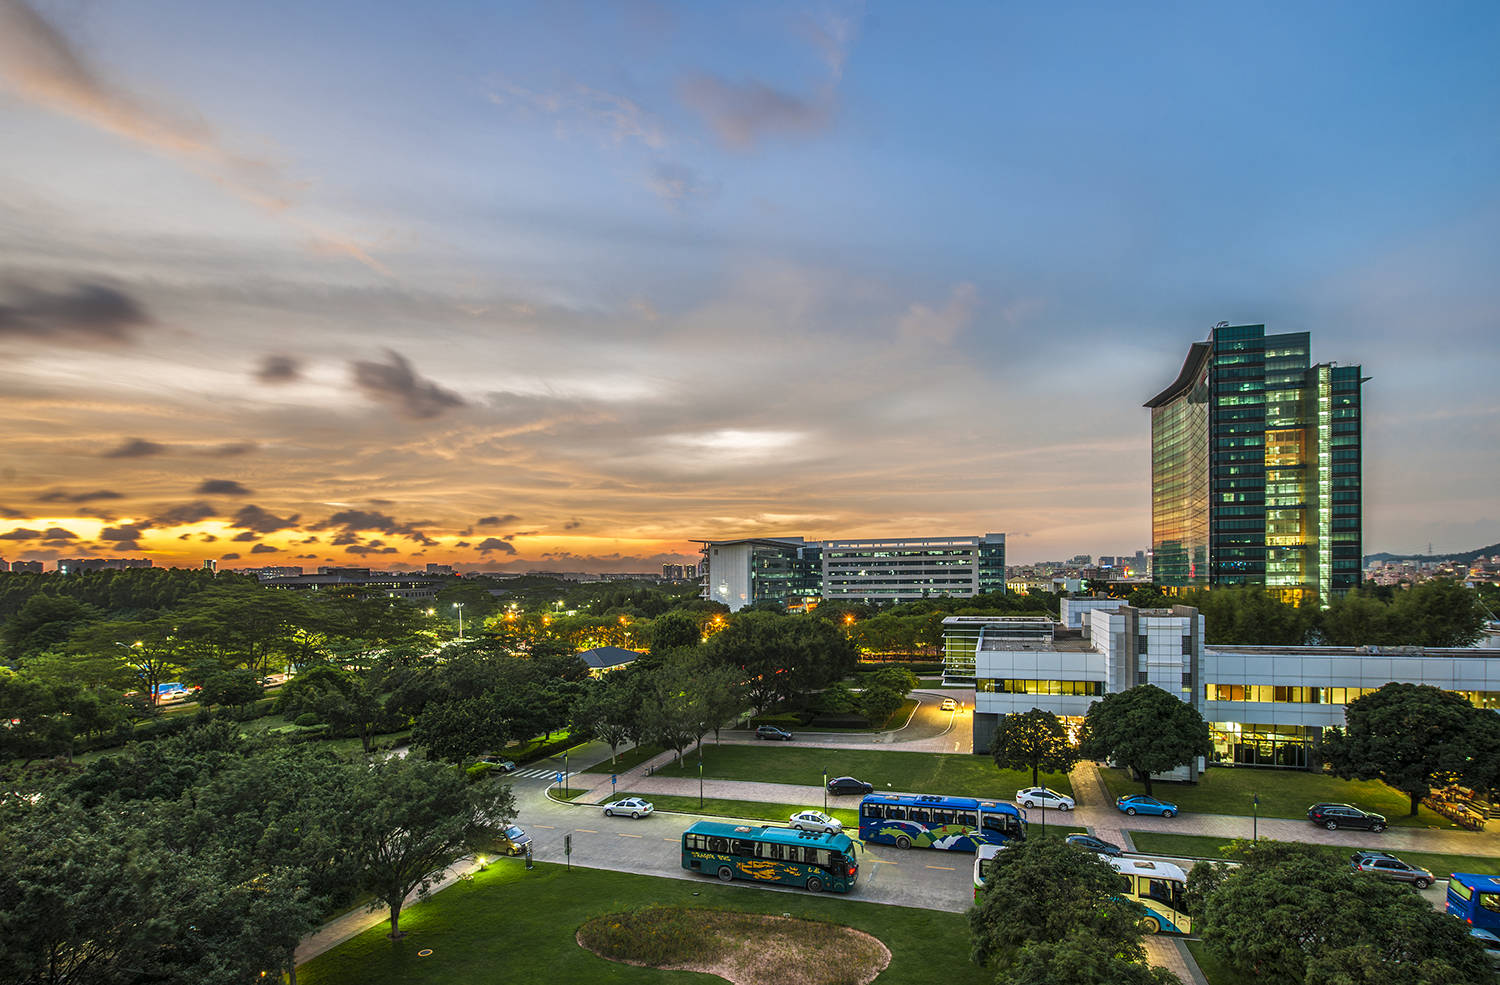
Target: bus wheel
814	885
1151	925
726	874
903	842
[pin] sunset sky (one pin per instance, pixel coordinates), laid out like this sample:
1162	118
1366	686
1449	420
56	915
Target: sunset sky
566	285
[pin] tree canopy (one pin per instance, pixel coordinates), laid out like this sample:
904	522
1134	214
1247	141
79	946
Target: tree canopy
1034	740
1145	729
1414	737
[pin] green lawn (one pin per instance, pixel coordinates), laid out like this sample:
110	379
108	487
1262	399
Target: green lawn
1213	969
898	718
1205	846
627	760
955	774
752	809
1283	793
509	925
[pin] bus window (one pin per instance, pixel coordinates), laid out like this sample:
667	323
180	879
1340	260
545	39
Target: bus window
966	818
942	817
1013	825
994	822
894	813
778	851
1490	901
1159	889
917	815
872	810
719	845
742	847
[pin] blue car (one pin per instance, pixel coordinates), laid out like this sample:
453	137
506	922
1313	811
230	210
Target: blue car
1139	803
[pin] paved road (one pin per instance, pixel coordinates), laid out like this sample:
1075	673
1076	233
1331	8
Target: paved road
928	729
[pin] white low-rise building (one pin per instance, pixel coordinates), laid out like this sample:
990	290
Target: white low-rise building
1265	705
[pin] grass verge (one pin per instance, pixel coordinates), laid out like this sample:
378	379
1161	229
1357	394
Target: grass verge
1283	793
955	774
1214	970
627	760
1439	864
509	925
752	809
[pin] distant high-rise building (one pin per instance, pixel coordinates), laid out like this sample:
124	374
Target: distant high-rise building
1256	467
27	567
439	569
211	565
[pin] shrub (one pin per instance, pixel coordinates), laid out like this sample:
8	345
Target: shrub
841	721
306	720
478	771
786	719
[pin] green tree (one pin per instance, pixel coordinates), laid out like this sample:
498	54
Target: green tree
1289	913
1414	737
1357	619
1145	729
1440	612
672	630
43	623
1042	891
1034	740
879	702
676	705
230	687
36	720
413	820
1079	959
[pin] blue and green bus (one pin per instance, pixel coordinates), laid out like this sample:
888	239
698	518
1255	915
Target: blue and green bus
814	860
929	821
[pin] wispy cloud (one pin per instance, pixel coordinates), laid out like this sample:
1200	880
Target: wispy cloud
277	368
619	118
135	448
395	383
941	325
745	113
85	312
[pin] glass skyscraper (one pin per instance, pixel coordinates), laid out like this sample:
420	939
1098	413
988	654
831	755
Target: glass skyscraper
1255	467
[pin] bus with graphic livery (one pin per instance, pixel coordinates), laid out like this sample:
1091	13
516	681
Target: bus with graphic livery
1475	899
814	860
1157	887
959	824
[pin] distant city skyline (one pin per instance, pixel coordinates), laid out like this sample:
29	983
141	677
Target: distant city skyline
561	286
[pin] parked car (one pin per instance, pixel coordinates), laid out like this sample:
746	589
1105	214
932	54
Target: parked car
816	821
503	765
1092	844
1335	816
1139	803
1388	866
848	784
772	732
634	806
1042	797
514	840
949	704
1491	944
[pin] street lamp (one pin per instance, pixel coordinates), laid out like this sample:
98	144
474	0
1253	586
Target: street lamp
700	778
460	607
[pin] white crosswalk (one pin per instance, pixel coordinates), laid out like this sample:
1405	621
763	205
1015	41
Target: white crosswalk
541	774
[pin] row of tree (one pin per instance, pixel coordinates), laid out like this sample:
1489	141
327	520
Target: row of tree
1440	612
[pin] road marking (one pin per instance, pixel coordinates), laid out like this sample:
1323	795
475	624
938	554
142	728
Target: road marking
945	868
586	831
672	840
549	827
881	861
624	835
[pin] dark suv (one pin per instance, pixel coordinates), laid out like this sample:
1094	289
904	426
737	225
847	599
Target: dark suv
772	732
1335	816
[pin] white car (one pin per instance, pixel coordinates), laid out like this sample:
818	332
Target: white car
949	705
634	806
816	821
1042	797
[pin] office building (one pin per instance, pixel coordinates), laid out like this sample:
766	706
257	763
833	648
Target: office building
792	571
1265	705
1256	467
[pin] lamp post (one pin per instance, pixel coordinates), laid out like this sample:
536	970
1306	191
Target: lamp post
700	778
565	776
1255	817
460	607
825	790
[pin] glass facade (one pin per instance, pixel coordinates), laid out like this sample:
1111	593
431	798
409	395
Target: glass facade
1010	685
1286	746
1256	466
785	572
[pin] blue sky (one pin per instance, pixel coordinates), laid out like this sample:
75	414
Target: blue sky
623	275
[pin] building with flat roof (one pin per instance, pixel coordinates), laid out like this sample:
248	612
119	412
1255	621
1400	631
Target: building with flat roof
1256	467
1265	705
793	571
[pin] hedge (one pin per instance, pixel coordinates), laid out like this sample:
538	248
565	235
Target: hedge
870	667
840	721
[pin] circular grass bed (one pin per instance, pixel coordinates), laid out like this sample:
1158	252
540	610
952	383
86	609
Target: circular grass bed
743	948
